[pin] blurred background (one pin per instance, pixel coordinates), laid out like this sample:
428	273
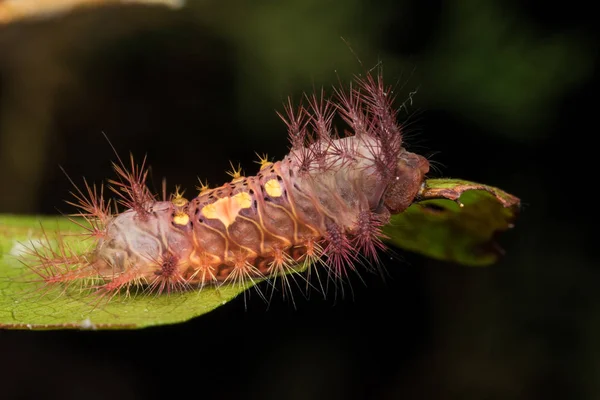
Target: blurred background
505	96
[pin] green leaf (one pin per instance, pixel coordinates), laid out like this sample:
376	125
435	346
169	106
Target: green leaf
435	226
455	220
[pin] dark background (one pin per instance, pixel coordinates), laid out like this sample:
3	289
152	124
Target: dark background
505	96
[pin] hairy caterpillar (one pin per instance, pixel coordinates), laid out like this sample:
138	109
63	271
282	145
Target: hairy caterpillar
323	204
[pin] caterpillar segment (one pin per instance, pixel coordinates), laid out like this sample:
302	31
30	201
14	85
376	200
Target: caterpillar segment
323	204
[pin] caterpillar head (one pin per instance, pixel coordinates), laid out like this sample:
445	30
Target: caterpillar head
408	178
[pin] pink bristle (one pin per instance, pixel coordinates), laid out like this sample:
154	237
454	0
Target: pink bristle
93	208
92	202
321	115
379	101
368	235
350	107
167	277
295	120
131	186
339	252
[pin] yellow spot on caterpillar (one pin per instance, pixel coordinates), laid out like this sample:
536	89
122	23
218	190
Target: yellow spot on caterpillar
264	161
243	199
210	211
177	199
227	209
181	218
235	173
273	188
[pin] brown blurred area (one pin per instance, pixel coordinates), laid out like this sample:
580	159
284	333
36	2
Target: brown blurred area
42	62
506	95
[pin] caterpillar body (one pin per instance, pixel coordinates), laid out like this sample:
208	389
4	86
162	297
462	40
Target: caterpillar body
325	202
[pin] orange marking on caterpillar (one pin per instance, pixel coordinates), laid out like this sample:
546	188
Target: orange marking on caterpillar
273	188
227	209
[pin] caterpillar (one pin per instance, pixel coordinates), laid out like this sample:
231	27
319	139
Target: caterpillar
322	205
